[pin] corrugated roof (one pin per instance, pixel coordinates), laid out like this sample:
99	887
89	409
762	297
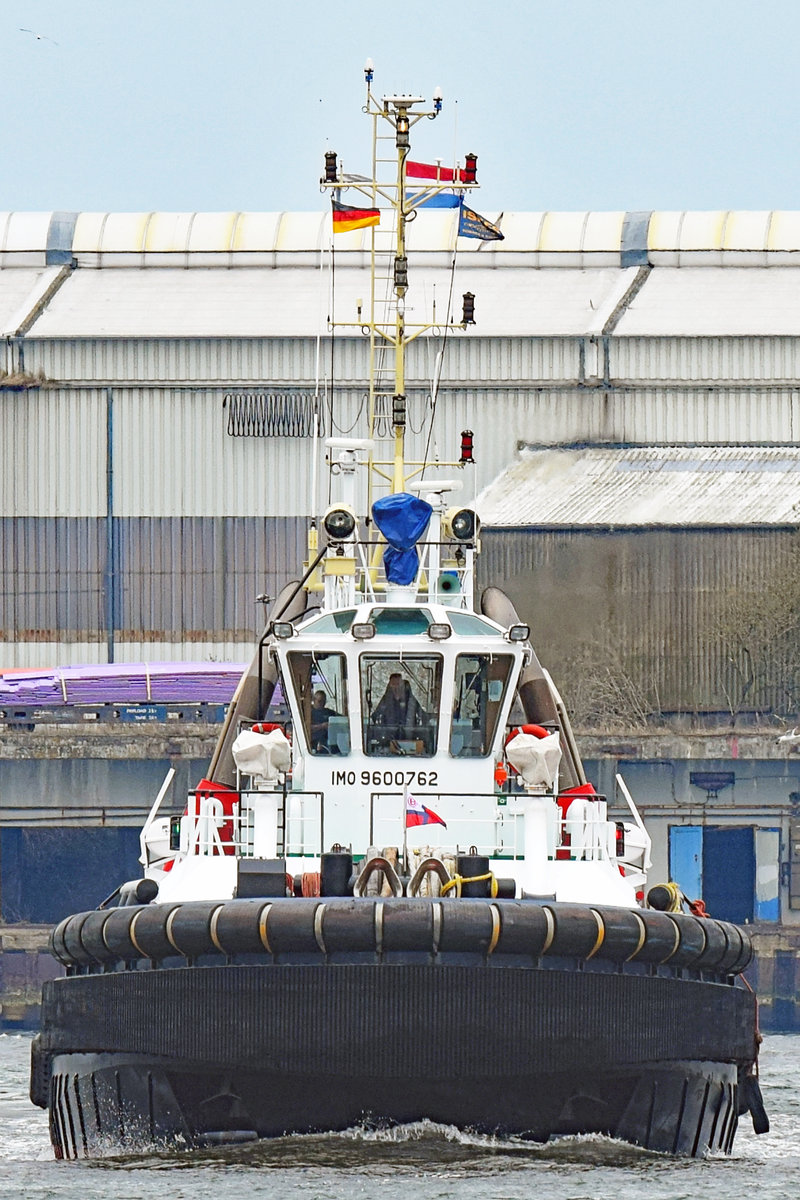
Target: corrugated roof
643	487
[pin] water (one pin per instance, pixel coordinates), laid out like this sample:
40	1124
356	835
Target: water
424	1162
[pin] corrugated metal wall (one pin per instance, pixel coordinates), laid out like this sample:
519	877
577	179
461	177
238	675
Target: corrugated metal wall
180	587
653	598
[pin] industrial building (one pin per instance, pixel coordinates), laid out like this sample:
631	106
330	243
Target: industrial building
632	383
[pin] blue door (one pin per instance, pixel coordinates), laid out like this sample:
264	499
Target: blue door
729	872
686	859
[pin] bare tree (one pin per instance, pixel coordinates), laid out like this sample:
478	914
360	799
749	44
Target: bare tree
758	625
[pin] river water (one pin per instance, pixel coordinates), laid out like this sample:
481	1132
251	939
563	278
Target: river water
423	1161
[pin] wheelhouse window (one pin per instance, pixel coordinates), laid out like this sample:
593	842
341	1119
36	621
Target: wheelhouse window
400	701
319	683
479	688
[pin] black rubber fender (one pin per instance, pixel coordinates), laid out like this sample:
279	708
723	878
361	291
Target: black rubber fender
348	926
467	926
740	949
692	943
753	1103
148	931
92	937
116	933
578	931
661	939
408	925
624	933
290	926
72	940
188	928
55	943
525	928
238	926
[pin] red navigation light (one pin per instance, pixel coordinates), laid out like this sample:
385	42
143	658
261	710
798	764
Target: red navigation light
466	447
468	175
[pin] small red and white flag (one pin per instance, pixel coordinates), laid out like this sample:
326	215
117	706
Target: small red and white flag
418	814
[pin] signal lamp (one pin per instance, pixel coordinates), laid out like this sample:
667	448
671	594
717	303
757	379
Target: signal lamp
339	523
402	140
363	632
331	168
438	631
466	447
468	310
398	411
401	271
462	524
468	175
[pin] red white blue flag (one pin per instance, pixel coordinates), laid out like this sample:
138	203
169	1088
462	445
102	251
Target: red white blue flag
418	814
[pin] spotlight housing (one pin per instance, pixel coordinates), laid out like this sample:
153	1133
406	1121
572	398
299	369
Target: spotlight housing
461	524
339	522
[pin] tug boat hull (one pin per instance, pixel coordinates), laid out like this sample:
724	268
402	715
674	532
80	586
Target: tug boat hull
194	1053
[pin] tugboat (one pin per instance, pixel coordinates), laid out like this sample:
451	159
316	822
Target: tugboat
395	896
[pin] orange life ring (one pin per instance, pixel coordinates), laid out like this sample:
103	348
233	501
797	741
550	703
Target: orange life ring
537	731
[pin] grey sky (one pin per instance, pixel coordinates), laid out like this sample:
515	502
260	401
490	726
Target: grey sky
569	104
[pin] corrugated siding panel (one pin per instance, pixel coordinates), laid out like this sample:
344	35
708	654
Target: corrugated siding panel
52	578
709	358
649	600
52	452
180	582
289	360
198	578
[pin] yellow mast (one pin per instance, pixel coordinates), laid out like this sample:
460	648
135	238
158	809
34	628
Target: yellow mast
390	331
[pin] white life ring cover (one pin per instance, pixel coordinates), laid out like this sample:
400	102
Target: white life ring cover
262	755
535	758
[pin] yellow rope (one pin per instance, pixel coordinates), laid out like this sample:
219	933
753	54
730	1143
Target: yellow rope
457	881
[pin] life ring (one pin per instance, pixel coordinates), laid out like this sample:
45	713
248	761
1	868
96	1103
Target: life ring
538	731
269	727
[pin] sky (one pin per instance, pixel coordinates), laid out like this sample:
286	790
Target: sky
205	105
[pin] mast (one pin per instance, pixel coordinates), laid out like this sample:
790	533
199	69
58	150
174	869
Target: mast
387	327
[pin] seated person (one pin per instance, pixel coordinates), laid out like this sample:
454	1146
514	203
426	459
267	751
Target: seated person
319	722
398	711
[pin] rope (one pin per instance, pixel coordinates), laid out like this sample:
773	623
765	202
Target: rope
311	883
458	880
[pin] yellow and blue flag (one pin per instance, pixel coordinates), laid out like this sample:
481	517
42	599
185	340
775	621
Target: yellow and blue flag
473	225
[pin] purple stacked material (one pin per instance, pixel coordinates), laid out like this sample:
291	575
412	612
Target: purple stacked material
123	683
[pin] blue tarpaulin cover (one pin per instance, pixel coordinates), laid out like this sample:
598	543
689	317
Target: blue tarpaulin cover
402	519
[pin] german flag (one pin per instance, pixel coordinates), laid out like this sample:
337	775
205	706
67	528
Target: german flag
347	218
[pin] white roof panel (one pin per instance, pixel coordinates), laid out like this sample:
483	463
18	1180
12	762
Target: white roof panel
258	301
18	291
715	302
644	487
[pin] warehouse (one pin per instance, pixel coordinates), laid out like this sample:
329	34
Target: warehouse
632	386
143	502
